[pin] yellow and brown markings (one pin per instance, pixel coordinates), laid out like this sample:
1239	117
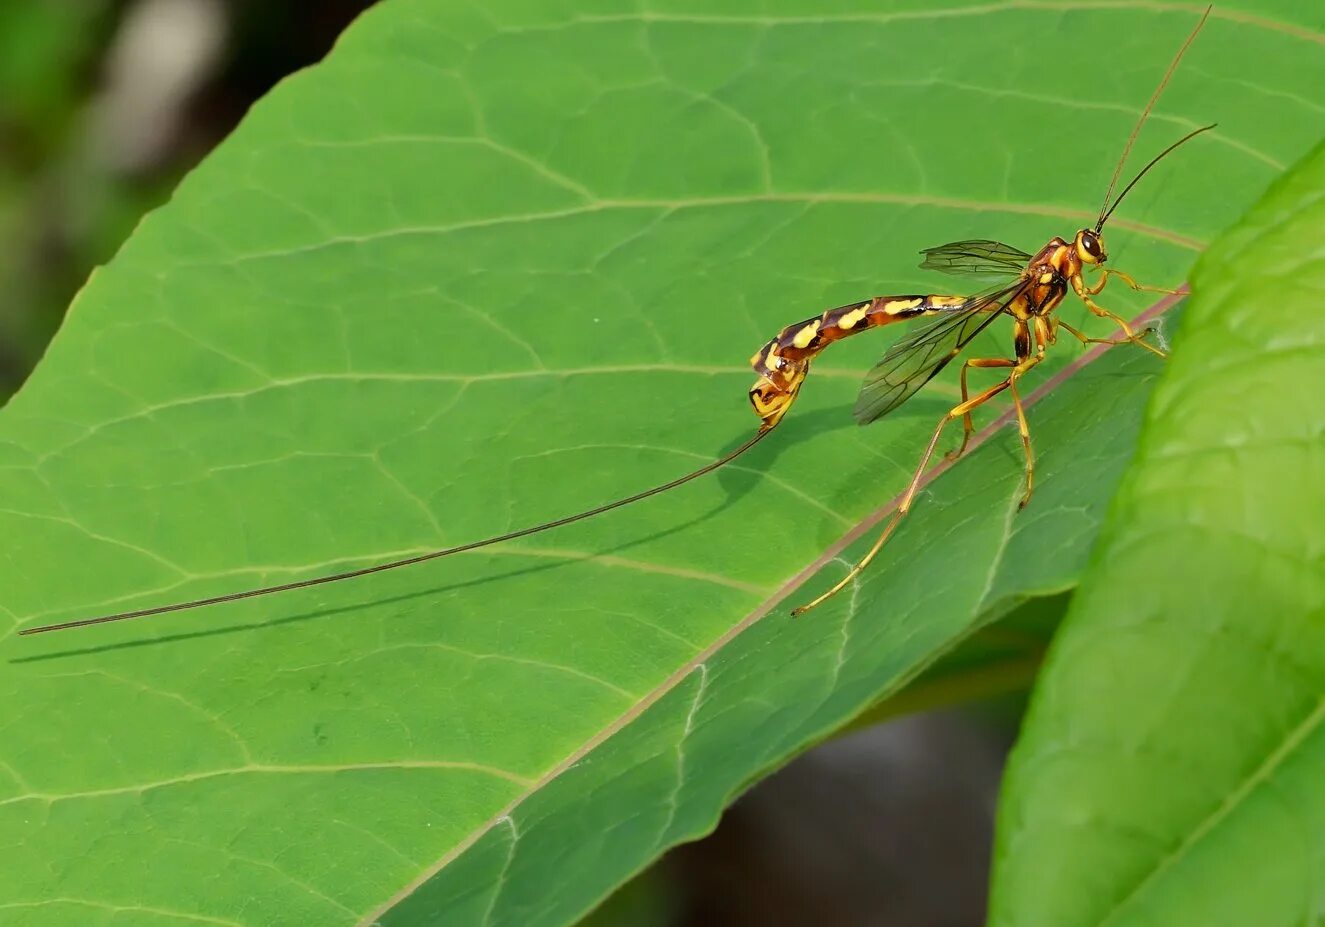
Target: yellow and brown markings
803	340
1050	270
1057	255
784	361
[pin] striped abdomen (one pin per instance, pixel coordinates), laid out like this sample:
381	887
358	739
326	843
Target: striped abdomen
783	363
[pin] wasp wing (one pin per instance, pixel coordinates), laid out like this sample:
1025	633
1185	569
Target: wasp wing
979	256
912	362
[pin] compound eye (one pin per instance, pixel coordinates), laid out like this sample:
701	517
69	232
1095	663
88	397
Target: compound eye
1088	247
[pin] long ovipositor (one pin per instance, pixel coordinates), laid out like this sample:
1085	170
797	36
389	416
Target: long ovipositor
784	361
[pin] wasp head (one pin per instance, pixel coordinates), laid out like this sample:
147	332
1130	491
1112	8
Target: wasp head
1090	247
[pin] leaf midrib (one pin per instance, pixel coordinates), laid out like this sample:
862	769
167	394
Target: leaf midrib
1235	16
1258	776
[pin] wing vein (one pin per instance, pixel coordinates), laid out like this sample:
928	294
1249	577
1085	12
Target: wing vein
914	361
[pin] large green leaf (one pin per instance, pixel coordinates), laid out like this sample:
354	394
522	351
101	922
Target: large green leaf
488	266
1172	770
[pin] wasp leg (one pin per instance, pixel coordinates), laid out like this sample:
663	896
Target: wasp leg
1106	273
968	426
1025	431
1085	339
957	411
1085	292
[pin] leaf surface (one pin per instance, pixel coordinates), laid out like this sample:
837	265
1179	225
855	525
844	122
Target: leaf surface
489	266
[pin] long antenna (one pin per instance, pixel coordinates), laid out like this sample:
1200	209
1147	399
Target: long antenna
1145	113
1104	217
409	561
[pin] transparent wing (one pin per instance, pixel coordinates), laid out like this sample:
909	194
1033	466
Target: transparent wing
979	256
912	362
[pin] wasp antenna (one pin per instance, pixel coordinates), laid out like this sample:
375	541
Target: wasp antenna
410	561
1153	161
1145	113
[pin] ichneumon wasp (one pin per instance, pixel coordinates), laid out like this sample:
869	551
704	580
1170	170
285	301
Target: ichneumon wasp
1031	289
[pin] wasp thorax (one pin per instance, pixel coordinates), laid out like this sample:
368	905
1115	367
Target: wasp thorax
1090	248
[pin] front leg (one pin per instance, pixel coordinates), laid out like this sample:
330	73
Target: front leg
1085	293
1106	273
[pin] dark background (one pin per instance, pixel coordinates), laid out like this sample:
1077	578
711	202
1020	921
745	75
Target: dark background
105	105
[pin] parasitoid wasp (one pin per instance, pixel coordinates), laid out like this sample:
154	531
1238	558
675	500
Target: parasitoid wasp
1030	290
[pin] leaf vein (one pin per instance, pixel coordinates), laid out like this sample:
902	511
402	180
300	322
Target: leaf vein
1258	777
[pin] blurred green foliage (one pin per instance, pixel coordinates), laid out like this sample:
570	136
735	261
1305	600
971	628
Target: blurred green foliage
63	209
46	52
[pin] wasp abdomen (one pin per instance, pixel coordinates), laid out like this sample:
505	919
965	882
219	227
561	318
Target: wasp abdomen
784	361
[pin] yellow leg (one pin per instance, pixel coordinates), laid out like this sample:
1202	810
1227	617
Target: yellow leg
957	411
1084	339
1025	431
1106	273
1086	292
1145	288
968	426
